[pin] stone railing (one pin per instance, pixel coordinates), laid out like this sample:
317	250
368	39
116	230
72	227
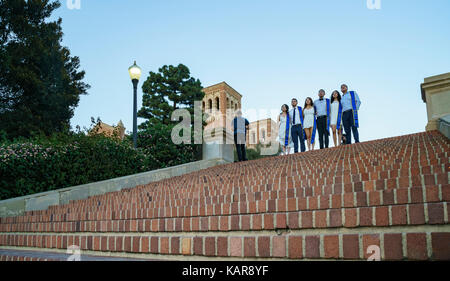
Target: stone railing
41	201
444	126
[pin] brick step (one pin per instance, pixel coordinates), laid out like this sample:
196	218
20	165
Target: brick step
383	180
227	181
349	217
405	172
256	193
375	183
278	168
277	201
401	243
388	180
384	184
33	255
8	257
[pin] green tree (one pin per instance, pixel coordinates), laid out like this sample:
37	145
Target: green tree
40	83
155	142
170	89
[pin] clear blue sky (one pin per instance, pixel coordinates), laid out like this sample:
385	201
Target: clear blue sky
269	51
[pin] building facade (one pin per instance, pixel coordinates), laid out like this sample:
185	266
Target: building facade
261	132
108	130
220	103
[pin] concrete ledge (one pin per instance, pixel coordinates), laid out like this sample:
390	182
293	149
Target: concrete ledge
41	201
436	94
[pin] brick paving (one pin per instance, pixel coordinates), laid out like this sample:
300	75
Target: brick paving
326	204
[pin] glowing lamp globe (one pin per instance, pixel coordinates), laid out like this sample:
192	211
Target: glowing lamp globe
135	72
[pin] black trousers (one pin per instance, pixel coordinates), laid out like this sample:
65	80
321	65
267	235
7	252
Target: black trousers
239	141
349	127
323	132
297	133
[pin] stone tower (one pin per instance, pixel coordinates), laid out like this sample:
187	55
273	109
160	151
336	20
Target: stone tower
219	105
218	99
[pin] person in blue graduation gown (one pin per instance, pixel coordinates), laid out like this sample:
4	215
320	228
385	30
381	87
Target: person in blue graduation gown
284	130
350	118
322	106
297	133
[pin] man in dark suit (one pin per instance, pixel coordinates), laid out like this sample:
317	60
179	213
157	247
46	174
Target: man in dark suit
240	127
296	117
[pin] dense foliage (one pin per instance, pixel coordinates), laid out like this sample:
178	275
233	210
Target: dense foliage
43	164
40	86
155	141
40	82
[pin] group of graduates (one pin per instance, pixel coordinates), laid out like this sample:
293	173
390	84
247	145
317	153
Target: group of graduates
336	113
298	124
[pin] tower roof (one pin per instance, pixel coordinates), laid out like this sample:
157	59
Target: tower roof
221	86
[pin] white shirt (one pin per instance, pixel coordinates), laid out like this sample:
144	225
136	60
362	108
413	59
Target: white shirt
297	116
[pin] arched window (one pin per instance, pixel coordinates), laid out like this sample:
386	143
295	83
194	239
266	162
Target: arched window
203	106
217	103
210	105
263	133
228	103
235	106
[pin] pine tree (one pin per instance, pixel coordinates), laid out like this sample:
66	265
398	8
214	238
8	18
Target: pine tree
40	83
169	89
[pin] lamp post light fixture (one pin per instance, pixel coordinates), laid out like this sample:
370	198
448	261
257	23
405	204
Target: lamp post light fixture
135	74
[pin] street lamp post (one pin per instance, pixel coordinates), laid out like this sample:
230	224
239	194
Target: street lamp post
135	75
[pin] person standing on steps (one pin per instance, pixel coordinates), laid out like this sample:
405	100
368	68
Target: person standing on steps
284	129
240	126
296	116
336	117
323	112
350	106
309	123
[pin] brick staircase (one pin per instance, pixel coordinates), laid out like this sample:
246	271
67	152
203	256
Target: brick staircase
330	204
